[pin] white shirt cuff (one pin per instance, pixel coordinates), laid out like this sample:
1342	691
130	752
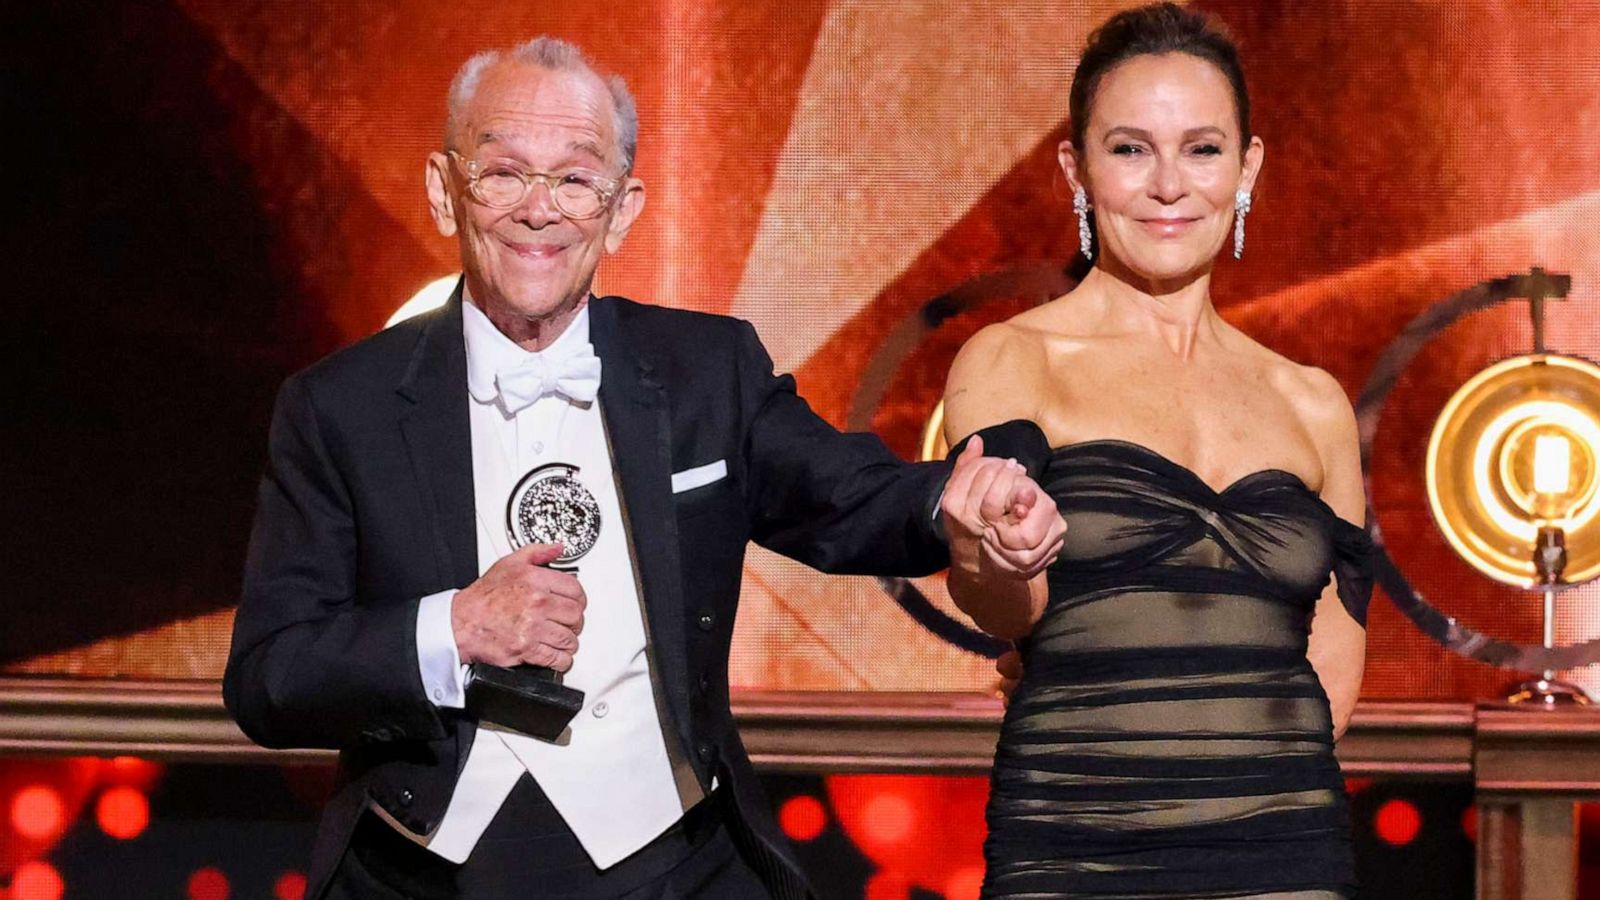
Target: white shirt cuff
443	676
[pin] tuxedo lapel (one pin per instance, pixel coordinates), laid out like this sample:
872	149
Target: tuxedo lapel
438	436
634	405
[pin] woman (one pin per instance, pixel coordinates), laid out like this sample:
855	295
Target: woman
1188	663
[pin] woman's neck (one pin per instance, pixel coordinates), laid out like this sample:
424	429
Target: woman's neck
1177	312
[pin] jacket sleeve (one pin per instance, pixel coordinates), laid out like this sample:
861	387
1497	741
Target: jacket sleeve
312	664
838	502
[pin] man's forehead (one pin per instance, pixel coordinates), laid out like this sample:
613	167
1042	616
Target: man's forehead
511	96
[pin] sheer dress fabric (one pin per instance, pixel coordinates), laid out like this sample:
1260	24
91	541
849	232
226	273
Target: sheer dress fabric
1169	737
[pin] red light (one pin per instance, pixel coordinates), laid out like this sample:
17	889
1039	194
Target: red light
965	884
888	818
924	830
1469	823
37	812
802	817
1397	822
1356	785
887	886
290	886
123	813
36	881
130	771
208	884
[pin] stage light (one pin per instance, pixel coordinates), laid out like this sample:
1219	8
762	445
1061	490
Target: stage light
123	813
36	880
1513	473
802	817
289	886
209	884
889	818
432	296
1397	823
923	829
965	884
37	812
1513	453
130	771
887	886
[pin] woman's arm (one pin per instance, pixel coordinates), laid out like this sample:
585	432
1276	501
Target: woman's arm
995	378
1338	643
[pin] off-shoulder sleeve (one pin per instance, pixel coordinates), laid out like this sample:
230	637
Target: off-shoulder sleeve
1018	439
1352	568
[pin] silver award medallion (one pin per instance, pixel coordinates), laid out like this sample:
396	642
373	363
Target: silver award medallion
550	505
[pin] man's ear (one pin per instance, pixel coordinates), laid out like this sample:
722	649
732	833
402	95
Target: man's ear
629	206
440	204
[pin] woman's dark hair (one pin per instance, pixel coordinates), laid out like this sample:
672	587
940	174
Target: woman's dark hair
1152	30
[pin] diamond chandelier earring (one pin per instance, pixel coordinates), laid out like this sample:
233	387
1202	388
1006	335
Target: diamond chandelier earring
1080	205
1241	208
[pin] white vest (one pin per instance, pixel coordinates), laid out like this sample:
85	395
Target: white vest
610	776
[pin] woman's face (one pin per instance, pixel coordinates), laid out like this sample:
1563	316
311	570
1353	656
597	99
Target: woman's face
1161	161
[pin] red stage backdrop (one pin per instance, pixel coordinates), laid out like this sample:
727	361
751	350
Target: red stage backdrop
867	182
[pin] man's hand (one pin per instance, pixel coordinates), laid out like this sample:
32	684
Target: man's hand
992	507
520	612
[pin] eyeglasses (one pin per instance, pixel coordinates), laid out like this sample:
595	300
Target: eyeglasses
498	184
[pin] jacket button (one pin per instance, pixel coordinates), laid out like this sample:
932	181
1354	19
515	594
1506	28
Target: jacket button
704	751
706	621
406	797
705	683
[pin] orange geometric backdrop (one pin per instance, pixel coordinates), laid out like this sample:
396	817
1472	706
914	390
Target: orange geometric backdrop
830	171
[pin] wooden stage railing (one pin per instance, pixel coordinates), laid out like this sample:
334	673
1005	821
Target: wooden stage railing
1528	765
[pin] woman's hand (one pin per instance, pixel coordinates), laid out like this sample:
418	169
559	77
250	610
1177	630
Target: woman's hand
997	518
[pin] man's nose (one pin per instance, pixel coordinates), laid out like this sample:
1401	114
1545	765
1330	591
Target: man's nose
539	208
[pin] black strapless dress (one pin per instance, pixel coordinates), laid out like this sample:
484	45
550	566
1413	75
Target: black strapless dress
1169	738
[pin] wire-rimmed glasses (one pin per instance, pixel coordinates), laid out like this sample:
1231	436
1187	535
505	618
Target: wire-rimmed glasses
500	184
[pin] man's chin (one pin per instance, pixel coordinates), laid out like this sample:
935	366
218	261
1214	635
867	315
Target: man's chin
539	305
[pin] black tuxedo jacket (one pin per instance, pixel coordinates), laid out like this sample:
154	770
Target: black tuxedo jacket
367	505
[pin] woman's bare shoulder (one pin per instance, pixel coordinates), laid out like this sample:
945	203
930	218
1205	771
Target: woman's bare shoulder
1316	395
1001	373
1318	398
1002	342
1325	413
1032	340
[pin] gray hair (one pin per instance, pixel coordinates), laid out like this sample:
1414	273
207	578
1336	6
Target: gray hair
556	55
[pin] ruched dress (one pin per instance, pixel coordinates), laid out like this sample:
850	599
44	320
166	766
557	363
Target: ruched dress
1169	737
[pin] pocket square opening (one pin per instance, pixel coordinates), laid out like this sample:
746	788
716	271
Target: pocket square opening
699	476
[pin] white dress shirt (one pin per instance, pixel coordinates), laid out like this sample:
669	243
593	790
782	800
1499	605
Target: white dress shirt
610	775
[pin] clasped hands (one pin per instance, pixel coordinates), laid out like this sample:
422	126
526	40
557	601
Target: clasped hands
998	520
523	612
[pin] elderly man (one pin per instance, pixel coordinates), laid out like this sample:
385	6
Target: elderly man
403	564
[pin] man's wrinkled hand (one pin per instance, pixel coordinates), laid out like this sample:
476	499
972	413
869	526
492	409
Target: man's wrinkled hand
520	612
991	507
971	478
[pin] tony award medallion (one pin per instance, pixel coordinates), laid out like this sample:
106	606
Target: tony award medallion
549	505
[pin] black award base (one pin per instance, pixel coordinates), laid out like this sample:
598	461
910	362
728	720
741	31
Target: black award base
528	699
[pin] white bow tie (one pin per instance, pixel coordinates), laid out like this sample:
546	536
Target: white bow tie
576	377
